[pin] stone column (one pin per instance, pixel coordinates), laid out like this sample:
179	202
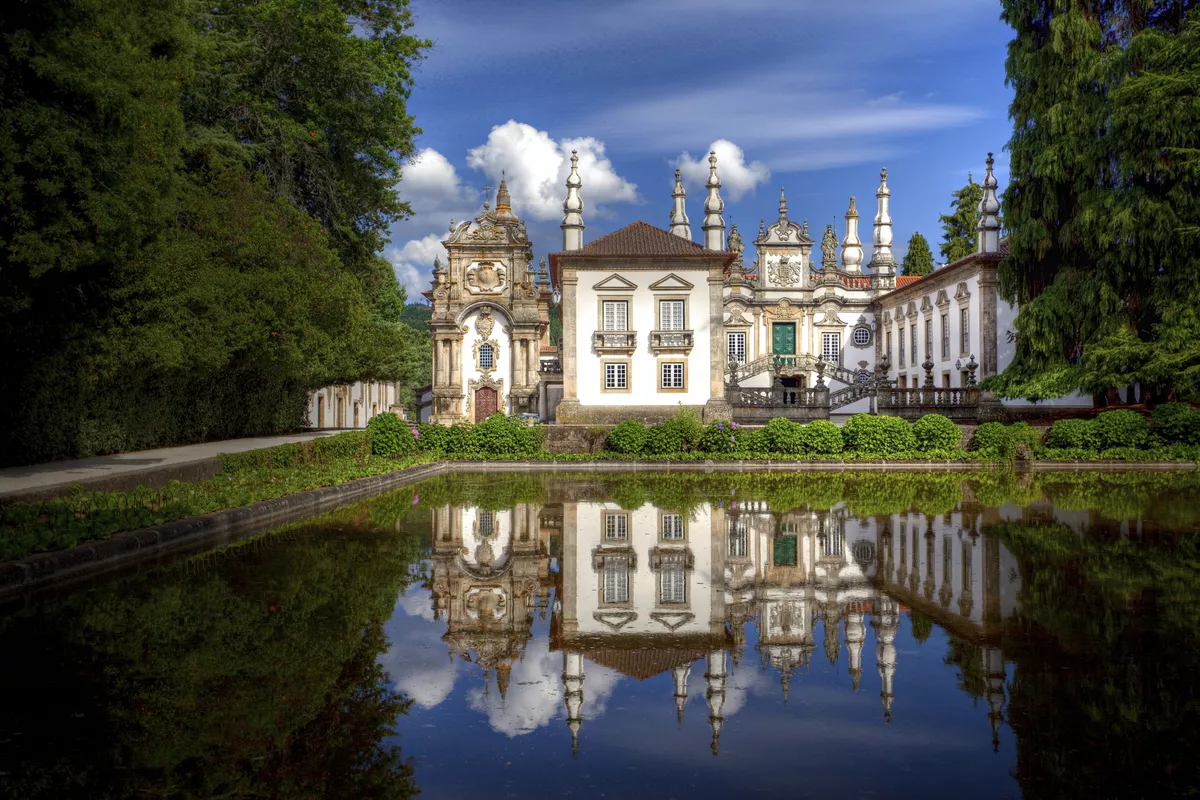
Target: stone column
570	579
718	539
569	409
717	406
987	322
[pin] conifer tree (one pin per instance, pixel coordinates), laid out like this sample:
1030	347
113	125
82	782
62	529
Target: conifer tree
919	260
958	227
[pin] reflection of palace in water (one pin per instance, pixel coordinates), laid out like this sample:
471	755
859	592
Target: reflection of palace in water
647	591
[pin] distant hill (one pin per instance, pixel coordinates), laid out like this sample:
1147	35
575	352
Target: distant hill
416	315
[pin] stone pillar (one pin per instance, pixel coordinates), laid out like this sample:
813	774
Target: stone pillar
718	539
987	322
570	579
717	406
569	408
758	326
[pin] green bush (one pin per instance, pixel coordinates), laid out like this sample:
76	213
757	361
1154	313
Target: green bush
431	438
679	434
1007	442
1121	428
628	437
784	437
390	436
723	437
1072	434
501	435
936	432
754	442
1177	423
456	439
351	445
822	437
880	436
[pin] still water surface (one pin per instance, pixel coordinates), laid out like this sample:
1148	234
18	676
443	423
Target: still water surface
642	636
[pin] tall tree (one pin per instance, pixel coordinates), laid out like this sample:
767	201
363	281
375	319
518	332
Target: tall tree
1102	200
919	259
958	227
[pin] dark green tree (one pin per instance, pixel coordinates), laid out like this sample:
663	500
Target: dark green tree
919	259
958	227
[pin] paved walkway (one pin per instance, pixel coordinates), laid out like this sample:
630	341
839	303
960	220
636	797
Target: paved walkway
17	480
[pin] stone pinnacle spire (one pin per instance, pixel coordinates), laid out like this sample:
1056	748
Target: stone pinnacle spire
882	260
852	251
782	203
681	674
714	224
573	695
679	219
572	224
988	230
503	200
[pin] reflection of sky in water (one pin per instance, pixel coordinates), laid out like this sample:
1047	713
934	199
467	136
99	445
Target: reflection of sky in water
827	740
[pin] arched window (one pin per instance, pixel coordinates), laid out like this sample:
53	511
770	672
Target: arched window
487	357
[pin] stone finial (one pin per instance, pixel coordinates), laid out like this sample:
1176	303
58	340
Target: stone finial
782	203
680	226
762	229
714	224
988	229
572	224
852	251
882	260
503	200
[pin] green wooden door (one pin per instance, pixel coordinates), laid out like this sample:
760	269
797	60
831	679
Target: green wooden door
783	338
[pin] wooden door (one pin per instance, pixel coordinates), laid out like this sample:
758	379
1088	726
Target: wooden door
783	338
486	403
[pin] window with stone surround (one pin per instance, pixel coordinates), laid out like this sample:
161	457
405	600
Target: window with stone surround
672	585
965	323
945	337
616	527
670	315
616	376
831	347
671	376
616	315
737	347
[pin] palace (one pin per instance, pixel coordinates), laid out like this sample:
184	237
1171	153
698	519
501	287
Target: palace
652	320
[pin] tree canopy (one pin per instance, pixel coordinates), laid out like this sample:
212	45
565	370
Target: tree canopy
193	201
919	259
1103	203
958	227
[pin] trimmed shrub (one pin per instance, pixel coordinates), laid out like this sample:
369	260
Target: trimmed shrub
664	438
354	445
784	437
390	436
1121	428
822	437
754	442
722	437
878	436
936	432
456	439
501	435
1008	442
430	437
627	437
1177	423
1072	434
691	429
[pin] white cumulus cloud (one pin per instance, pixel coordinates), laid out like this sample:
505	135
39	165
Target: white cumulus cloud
413	263
430	184
737	177
537	165
417	660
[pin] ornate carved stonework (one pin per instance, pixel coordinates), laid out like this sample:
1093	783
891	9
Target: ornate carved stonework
485	323
485	277
829	250
785	272
737	315
495	355
784	310
484	381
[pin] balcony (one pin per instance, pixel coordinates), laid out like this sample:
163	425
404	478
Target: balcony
615	342
671	342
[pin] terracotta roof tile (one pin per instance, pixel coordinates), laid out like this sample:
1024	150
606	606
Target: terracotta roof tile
905	280
642	239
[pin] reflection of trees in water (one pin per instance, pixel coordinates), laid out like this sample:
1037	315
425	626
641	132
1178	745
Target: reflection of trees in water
968	658
248	674
1104	698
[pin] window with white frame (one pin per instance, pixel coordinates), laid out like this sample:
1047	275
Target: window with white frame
831	347
672	375
616	375
616	527
964	321
672	528
737	347
616	581
945	337
670	315
616	315
672	584
929	338
487	357
901	340
737	539
912	341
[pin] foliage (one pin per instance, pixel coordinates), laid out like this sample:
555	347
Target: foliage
723	437
936	432
350	445
822	437
880	436
958	227
919	259
1177	423
627	437
1018	440
1073	433
186	254
681	433
504	435
1122	428
1104	199
391	436
784	437
922	626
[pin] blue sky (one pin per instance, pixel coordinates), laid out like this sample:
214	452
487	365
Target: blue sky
811	95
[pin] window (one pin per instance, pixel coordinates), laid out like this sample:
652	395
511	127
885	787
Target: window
830	347
670	315
672	375
901	347
929	338
737	347
862	336
616	375
965	322
616	527
737	539
616	315
487	523
784	551
912	341
672	586
672	528
945	337
888	344
487	357
616	581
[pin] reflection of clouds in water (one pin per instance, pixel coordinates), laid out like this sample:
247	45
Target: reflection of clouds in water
417	659
535	692
741	681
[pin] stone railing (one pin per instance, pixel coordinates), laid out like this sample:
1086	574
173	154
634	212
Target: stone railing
671	341
754	404
551	366
615	341
957	403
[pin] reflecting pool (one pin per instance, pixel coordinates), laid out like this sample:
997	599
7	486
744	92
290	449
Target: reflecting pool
652	635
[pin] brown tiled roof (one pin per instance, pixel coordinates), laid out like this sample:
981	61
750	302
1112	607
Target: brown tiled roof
643	664
642	239
905	280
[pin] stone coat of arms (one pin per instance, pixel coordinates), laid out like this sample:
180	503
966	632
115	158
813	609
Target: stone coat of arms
485	277
784	272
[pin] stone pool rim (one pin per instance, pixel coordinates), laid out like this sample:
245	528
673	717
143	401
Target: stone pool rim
150	545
